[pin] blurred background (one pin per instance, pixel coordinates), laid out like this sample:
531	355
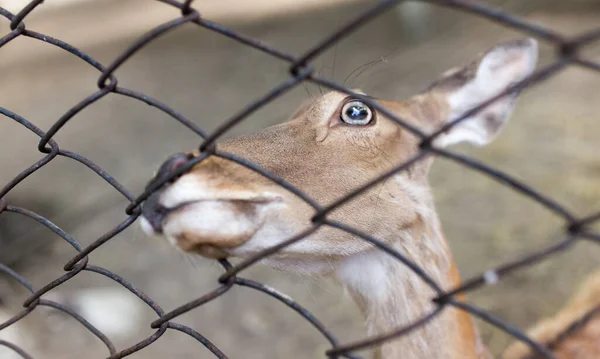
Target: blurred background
551	144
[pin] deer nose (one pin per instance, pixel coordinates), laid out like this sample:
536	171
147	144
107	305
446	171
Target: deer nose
153	214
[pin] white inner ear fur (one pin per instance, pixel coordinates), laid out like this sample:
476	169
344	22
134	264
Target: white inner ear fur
501	67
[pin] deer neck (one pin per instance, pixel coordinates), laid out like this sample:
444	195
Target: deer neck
391	296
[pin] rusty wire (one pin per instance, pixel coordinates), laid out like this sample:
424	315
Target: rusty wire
300	70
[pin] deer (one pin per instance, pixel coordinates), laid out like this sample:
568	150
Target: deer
331	145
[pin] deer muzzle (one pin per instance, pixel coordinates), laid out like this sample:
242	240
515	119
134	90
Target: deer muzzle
204	215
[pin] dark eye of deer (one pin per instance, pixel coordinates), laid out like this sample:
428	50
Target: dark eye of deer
356	113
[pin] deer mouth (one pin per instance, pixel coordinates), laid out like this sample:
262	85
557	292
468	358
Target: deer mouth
208	227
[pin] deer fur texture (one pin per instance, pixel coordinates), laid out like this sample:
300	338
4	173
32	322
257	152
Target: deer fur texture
220	208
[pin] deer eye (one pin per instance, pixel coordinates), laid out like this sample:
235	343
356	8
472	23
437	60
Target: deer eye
356	113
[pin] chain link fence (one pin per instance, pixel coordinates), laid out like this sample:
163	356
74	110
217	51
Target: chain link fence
568	50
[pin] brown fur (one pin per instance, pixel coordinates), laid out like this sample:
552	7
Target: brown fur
581	342
299	139
327	159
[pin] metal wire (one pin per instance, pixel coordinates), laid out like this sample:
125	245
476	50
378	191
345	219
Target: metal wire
568	54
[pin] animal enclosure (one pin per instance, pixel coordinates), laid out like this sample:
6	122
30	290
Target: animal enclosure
570	52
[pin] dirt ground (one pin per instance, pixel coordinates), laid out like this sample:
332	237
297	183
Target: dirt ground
550	144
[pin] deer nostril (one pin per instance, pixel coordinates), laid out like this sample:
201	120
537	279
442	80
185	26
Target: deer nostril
169	166
178	160
152	211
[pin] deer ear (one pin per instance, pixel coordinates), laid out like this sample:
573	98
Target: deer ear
468	87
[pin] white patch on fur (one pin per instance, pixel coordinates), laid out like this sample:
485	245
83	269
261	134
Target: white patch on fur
365	273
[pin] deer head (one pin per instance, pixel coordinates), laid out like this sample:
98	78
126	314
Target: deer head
330	146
